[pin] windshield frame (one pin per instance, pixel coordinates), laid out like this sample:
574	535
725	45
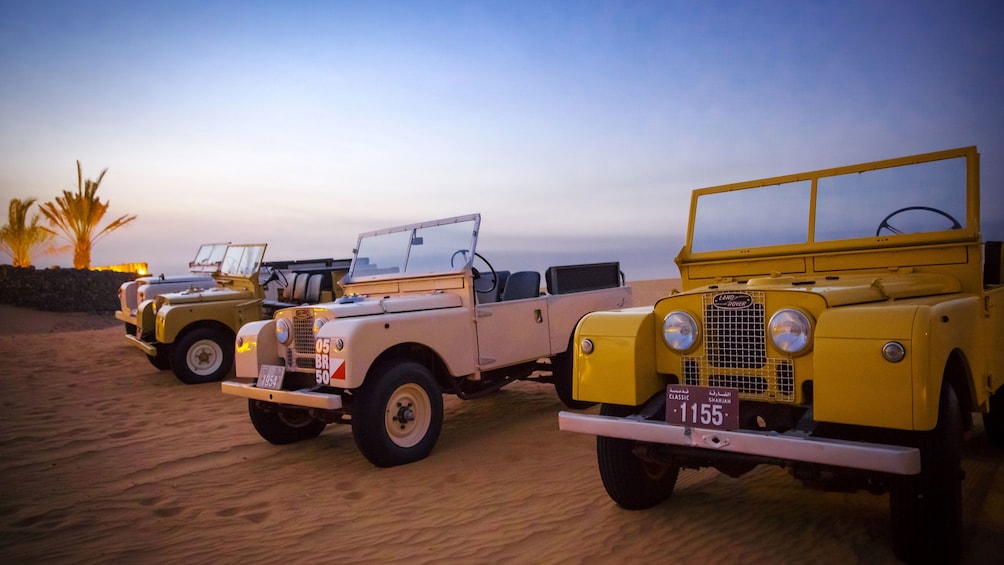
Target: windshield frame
242	260
806	222
400	252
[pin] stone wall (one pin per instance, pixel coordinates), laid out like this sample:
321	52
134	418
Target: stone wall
61	290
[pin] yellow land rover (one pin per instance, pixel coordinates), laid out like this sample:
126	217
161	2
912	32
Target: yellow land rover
845	324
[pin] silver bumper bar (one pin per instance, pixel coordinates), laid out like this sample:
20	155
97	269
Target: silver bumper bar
893	459
295	397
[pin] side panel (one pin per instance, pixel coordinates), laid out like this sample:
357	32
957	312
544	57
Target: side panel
512	332
949	326
621	367
994	340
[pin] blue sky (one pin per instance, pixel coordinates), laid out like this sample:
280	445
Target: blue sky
576	128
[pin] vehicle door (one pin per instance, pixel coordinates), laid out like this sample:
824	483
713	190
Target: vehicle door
511	332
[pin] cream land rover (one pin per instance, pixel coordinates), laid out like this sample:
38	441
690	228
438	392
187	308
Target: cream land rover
418	320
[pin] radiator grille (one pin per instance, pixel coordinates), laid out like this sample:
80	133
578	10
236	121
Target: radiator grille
735	350
301	354
735	337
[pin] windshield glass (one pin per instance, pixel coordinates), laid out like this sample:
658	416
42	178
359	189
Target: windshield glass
242	260
207	260
914	198
444	246
923	197
756	217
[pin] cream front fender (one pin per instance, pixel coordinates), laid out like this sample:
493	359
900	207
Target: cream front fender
255	346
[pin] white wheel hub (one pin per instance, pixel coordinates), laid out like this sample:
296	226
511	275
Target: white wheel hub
204	357
408	415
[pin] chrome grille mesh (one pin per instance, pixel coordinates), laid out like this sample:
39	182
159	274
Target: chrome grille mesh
735	353
301	354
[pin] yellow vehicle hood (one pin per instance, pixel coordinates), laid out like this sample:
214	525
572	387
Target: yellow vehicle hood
858	289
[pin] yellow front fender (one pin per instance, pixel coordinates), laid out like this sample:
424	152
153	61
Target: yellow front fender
620	368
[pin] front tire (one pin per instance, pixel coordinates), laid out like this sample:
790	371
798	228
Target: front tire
634	484
561	371
161	360
993	421
398	414
281	426
202	355
926	509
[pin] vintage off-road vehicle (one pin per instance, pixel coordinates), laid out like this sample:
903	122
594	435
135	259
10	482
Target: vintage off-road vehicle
192	332
846	329
201	270
417	320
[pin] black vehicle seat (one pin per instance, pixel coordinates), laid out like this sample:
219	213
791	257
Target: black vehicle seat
522	284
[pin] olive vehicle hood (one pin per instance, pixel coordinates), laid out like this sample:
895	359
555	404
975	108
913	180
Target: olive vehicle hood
214	294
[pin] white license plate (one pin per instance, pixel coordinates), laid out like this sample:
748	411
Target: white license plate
270	377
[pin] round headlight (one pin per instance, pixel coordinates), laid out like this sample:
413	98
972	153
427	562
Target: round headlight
679	331
283	330
318	324
790	331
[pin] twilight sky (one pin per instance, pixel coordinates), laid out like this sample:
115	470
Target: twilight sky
576	128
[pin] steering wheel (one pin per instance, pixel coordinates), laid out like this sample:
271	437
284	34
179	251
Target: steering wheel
276	275
477	274
885	222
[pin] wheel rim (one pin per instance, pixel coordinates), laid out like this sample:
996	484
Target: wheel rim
408	415
204	357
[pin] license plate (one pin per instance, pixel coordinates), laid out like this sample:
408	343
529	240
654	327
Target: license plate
270	377
702	407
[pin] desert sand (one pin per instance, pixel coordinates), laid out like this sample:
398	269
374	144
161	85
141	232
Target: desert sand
105	459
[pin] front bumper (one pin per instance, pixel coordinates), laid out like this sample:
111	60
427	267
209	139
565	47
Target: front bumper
147	348
893	459
304	397
129	318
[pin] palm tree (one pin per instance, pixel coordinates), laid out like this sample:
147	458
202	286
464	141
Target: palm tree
20	237
77	216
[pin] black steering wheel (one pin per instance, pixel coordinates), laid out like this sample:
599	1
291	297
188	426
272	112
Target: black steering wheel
477	274
276	275
884	224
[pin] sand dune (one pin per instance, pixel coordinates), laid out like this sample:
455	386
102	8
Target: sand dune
105	459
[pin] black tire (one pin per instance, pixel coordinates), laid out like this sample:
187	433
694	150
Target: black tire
161	360
993	421
397	414
561	371
281	425
202	355
926	509
632	483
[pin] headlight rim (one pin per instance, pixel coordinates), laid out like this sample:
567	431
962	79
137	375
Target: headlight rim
807	335
283	331
682	347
